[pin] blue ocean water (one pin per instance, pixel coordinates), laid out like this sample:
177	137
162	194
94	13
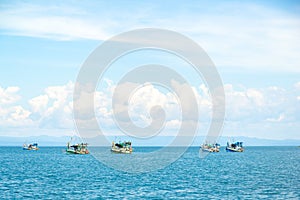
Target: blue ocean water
259	172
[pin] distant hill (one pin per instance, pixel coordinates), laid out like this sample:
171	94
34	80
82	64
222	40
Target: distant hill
44	140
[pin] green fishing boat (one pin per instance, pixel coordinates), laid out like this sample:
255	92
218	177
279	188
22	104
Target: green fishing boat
77	148
121	147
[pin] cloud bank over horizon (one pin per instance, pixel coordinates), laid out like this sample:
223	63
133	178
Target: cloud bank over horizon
262	110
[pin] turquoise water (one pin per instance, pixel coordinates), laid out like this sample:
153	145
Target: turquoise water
259	172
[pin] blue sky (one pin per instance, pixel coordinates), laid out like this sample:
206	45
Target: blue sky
254	45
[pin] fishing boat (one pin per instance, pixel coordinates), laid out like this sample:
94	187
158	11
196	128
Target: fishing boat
234	147
121	147
33	146
206	147
77	148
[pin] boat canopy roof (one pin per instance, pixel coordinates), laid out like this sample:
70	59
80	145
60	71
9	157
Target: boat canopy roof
123	144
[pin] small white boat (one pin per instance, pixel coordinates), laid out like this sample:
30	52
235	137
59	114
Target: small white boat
234	147
121	147
33	146
210	147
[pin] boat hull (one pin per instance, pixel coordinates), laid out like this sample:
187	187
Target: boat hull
121	150
31	149
210	150
77	149
76	152
234	150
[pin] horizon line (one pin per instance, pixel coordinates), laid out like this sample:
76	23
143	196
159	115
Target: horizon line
230	137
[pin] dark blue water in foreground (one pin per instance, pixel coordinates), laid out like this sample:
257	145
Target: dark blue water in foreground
259	172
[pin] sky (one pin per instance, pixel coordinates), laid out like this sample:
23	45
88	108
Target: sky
255	46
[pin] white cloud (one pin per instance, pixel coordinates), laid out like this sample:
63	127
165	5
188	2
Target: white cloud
12	114
53	110
297	85
173	124
39	103
146	98
242	35
61	23
9	95
279	119
256	96
58	113
19	113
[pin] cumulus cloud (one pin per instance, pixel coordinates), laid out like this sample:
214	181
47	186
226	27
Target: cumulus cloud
258	105
9	95
54	108
11	113
39	103
242	104
147	97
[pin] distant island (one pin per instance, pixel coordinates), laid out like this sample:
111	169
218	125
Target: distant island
45	140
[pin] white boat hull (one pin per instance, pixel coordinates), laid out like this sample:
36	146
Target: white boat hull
234	149
121	150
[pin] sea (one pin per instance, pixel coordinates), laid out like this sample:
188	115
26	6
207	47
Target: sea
50	173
